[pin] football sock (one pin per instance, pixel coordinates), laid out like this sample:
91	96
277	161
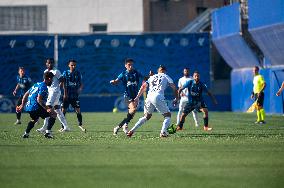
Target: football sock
61	118
18	114
181	123
30	126
178	115
79	117
262	114
258	115
166	124
205	121
126	120
195	117
45	123
51	122
140	122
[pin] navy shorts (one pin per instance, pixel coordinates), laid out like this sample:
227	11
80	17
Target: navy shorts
260	99
191	105
75	103
40	112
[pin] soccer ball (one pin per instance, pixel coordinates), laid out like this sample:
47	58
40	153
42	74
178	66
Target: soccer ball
172	129
114	110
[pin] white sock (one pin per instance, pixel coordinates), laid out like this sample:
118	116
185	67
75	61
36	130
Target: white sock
166	124
178	116
195	117
45	123
140	122
61	118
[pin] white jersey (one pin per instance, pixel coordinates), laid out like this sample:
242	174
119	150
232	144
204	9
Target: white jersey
158	83
55	81
181	82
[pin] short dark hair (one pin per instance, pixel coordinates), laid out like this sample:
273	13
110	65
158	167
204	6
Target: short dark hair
72	60
256	67
21	68
196	72
163	67
47	75
127	60
51	60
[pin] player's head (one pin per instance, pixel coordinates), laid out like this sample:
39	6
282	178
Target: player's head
72	65
47	77
21	71
196	76
186	72
128	63
255	70
49	63
162	69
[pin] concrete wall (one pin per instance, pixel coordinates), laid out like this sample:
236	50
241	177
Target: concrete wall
75	16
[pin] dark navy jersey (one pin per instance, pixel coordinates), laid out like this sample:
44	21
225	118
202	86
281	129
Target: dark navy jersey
72	82
39	88
130	81
195	90
25	83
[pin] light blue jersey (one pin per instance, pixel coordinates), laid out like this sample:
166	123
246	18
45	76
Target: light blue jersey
39	88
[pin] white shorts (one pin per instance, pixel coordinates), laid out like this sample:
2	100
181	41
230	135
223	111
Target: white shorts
53	98
155	101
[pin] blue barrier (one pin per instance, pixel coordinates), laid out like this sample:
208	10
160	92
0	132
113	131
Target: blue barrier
26	51
241	81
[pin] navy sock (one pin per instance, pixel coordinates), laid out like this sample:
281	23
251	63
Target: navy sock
205	121
51	122
30	126
18	114
79	117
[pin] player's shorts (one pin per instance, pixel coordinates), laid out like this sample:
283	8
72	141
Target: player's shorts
40	112
260	99
191	105
75	103
155	101
182	102
53	98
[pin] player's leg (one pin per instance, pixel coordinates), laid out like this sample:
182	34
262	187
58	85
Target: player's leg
260	109
76	105
51	121
189	107
205	119
148	110
54	101
182	104
161	106
195	117
18	113
34	118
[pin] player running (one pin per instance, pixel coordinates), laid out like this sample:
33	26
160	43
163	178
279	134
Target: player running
34	101
155	100
130	79
184	96
72	88
195	100
54	95
23	85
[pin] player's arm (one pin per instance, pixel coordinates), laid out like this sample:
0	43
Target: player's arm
175	92
142	89
280	89
16	89
24	100
212	97
40	101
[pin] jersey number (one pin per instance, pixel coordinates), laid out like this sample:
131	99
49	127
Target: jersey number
157	83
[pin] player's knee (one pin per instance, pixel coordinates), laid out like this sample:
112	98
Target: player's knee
167	114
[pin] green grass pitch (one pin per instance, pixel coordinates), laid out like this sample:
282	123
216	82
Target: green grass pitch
237	153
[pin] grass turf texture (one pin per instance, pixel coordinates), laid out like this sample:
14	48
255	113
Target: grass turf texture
237	153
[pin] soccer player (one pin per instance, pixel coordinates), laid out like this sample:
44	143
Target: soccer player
155	100
280	89
130	79
23	84
34	101
184	96
258	95
72	88
54	95
195	100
